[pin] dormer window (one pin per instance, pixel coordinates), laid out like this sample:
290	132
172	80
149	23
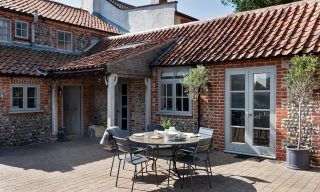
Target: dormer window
64	40
5	30
22	29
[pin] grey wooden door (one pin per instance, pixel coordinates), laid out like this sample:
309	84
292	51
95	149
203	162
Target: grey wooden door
72	109
122	106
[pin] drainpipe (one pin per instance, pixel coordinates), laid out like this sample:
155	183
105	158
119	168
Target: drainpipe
33	32
147	82
54	108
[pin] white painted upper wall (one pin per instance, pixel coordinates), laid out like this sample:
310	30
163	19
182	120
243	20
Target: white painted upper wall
133	20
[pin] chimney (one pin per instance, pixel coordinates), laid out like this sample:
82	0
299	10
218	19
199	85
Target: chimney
159	1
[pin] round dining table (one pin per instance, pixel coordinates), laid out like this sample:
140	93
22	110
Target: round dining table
148	138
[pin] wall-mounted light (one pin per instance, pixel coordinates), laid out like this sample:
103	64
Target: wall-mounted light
60	91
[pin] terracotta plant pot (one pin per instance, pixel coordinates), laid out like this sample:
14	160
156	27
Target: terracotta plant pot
298	158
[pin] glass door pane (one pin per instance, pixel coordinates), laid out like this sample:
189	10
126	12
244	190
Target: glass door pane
261	109
237	108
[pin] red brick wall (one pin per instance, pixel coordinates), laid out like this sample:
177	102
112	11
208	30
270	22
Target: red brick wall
212	111
53	25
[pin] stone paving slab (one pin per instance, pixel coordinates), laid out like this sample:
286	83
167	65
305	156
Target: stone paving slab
81	165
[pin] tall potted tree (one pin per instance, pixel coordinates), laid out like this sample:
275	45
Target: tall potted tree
301	82
196	82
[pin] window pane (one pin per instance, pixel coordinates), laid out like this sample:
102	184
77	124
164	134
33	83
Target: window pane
238	135
237	118
261	119
60	45
19	25
238	100
262	100
17	103
186	104
68	46
124	89
167	75
169	90
19	33
124	124
24	33
163	103
261	138
181	73
24	26
262	81
32	103
124	113
61	36
179	90
31	92
68	37
179	104
4	30
169	103
124	100
17	92
163	90
238	83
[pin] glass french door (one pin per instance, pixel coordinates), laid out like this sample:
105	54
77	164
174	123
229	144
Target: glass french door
250	111
122	109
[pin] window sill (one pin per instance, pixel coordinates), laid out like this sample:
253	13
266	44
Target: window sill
175	114
25	111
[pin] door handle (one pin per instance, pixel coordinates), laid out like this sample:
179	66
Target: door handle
250	114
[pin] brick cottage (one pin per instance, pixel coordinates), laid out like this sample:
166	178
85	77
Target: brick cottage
133	80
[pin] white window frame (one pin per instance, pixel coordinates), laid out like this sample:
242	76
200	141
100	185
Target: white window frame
174	83
10	30
18	36
57	36
25	98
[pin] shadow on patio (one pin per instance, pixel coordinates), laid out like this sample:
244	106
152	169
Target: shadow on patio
50	157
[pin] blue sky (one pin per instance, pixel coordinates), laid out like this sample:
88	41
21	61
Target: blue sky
201	9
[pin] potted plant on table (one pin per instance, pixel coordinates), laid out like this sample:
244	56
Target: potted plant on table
301	83
166	124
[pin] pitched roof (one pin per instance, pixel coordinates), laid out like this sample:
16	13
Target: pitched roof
58	12
113	53
121	5
269	32
26	61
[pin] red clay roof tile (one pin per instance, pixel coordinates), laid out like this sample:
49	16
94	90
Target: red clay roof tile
59	12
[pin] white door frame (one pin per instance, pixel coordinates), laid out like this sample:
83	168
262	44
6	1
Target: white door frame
248	148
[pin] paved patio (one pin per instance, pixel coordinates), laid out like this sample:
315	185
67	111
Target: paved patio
82	165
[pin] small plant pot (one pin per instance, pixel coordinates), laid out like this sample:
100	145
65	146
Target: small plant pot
298	158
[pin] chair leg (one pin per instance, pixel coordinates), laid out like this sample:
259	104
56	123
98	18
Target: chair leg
134	177
118	173
191	176
155	169
124	163
208	175
169	172
210	166
142	172
184	169
114	155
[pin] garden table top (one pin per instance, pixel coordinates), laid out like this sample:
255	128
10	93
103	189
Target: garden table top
147	138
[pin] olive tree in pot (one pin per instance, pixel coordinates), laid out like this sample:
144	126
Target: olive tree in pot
196	82
301	82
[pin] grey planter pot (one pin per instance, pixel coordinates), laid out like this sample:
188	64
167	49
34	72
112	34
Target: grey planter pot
298	158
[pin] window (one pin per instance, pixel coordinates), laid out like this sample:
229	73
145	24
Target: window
5	30
64	40
22	29
173	98
94	40
24	97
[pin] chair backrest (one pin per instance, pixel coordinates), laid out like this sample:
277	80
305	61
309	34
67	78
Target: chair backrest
151	128
117	132
122	144
205	133
203	146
